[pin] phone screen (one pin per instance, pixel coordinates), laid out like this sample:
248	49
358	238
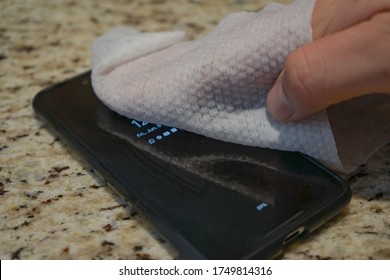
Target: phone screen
211	199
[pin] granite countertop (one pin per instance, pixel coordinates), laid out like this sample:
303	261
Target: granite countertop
54	206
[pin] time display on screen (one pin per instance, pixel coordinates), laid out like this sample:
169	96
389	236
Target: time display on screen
153	133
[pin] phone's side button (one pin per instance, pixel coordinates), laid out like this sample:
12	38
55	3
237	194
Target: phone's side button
293	235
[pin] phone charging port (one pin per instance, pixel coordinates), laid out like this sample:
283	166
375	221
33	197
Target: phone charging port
293	235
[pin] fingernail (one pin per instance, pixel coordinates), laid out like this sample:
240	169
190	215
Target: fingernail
278	104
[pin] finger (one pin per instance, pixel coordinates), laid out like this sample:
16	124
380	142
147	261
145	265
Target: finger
330	16
347	64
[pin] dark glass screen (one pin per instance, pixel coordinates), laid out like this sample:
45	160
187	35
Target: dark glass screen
221	199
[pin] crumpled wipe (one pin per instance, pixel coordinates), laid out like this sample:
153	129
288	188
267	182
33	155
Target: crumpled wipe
217	86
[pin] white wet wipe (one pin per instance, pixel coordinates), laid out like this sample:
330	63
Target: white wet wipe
217	86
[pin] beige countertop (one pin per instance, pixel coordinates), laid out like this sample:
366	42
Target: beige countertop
54	206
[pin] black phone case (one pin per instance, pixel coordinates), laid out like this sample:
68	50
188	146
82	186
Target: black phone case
272	244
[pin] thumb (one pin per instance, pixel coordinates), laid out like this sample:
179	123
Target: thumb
340	66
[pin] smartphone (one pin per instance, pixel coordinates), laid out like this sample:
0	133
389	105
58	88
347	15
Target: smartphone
211	199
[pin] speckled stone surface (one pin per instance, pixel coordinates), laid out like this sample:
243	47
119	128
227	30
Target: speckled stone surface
54	206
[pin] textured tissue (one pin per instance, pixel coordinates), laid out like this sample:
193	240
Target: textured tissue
217	86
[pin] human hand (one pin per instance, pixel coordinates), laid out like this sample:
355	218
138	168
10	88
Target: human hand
349	57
